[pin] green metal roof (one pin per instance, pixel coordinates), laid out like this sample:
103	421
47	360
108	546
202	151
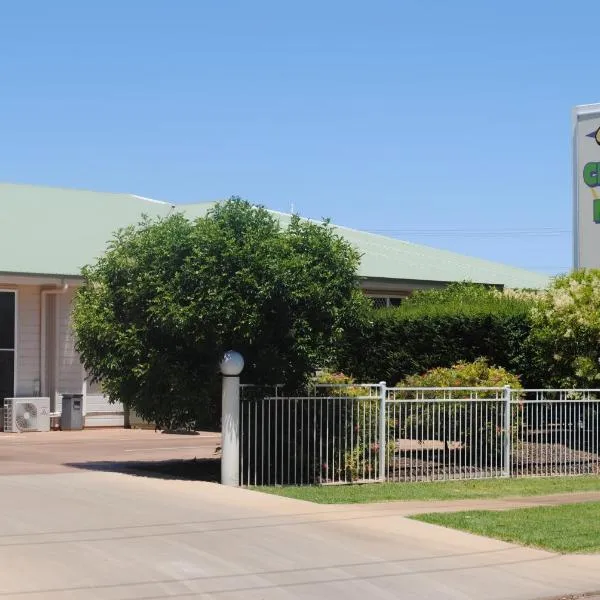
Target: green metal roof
57	231
54	231
389	258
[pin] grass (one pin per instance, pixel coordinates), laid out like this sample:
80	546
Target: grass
563	528
443	490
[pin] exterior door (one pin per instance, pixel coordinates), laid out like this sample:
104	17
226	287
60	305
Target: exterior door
7	345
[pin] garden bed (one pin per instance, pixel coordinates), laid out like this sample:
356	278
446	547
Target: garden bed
528	458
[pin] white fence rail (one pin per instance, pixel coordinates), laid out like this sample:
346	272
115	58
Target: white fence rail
368	433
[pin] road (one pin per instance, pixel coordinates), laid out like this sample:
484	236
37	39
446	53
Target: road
99	535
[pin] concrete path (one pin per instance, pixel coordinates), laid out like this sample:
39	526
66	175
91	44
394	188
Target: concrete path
93	535
406	508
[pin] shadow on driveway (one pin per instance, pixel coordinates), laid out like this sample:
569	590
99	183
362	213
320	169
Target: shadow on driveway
195	469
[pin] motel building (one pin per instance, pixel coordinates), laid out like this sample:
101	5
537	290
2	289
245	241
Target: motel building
49	234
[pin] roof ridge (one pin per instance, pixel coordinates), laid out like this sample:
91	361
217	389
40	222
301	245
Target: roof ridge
152	200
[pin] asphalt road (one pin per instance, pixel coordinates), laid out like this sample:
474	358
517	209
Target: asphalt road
96	535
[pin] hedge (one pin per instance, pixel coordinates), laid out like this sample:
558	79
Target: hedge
439	328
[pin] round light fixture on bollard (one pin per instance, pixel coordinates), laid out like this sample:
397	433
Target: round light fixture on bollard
232	363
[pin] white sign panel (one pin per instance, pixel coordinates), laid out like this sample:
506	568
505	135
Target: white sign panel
586	186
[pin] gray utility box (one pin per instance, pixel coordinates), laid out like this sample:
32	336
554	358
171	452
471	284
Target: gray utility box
71	418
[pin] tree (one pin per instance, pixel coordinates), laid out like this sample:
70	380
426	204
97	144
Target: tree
156	312
566	331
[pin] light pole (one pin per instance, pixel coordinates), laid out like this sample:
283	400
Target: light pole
231	367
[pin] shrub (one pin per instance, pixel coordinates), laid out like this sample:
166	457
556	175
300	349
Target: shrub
478	426
566	332
478	373
359	420
323	433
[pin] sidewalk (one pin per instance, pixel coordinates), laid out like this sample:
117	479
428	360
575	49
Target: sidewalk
417	507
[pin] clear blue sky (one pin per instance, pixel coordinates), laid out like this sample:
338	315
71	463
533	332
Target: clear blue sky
394	116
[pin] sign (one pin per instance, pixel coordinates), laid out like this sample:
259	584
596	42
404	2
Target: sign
586	186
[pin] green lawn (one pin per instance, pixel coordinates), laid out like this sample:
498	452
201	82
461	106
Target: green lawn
444	490
562	528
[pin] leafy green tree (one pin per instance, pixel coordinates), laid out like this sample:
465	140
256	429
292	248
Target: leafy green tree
566	331
157	311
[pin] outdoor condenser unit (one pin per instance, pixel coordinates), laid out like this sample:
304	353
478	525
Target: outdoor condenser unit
26	414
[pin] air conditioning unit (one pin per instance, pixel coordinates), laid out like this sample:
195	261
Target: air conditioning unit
26	414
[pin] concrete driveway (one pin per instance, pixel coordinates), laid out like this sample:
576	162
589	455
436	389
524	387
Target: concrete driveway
96	535
62	451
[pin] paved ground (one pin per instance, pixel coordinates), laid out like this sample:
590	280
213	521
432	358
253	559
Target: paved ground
420	506
75	534
94	535
59	451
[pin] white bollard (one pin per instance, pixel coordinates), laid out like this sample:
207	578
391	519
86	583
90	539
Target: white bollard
231	367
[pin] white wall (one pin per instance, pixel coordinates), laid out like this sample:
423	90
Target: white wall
28	339
99	411
70	371
29	351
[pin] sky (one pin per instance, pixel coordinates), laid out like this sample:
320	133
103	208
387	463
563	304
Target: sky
443	123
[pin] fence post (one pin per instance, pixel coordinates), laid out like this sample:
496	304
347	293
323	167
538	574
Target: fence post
507	433
382	429
231	367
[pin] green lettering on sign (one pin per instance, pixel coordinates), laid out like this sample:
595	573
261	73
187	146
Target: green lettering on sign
591	174
597	210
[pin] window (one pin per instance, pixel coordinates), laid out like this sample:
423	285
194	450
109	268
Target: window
7	345
379	301
385	301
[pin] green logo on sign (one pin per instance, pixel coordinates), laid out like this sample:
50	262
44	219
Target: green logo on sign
591	174
591	178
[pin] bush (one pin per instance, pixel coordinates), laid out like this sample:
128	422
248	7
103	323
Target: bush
359	430
566	331
478	373
478	426
439	328
328	433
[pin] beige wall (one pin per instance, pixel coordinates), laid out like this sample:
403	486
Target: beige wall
34	378
29	377
28	340
70	371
